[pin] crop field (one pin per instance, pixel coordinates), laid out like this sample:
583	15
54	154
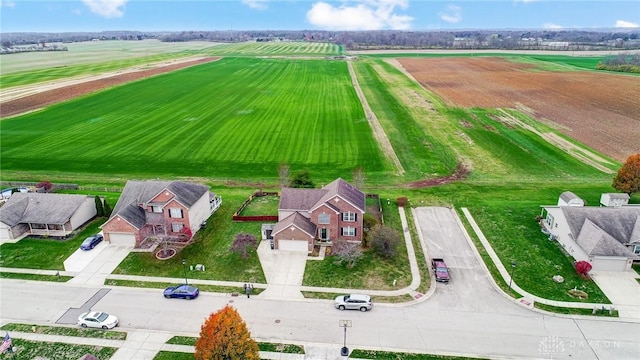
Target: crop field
236	118
605	117
296	48
95	52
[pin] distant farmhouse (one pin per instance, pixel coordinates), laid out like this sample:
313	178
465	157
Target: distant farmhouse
607	236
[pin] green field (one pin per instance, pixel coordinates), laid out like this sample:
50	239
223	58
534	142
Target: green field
293	48
234	118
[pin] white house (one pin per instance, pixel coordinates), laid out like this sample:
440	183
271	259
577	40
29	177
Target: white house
606	237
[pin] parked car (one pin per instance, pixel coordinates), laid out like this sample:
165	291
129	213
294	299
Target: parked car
354	302
97	319
182	291
90	242
440	269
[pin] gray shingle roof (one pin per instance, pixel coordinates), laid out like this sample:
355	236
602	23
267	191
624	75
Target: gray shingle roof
297	220
307	199
595	241
568	196
40	208
620	223
137	192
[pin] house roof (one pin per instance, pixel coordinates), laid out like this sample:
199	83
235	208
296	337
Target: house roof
622	224
568	196
297	220
595	241
137	192
308	199
623	196
40	208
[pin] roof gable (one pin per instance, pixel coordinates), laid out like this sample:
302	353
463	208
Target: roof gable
344	190
40	208
595	241
298	221
619	223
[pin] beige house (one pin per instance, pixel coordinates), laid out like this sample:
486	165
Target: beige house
42	214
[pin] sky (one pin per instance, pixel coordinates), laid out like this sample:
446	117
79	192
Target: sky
416	15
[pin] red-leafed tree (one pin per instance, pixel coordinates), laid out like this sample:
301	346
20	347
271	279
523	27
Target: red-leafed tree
186	232
224	336
628	178
583	267
242	243
46	185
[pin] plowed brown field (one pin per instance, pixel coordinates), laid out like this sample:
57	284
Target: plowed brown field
601	110
33	97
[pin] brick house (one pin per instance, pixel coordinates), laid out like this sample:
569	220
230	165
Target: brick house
158	208
307	216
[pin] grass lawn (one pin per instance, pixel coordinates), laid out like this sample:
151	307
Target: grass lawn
162	285
27	349
48	254
262	346
262	205
66	331
371	271
211	248
170	355
37	277
386	355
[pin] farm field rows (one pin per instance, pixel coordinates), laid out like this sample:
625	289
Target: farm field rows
236	118
293	48
605	117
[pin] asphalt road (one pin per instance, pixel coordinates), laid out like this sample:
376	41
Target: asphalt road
465	317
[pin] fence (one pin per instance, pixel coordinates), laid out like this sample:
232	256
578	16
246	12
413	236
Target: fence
269	218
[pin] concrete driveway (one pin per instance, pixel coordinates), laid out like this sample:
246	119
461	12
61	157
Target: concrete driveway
95	265
284	271
622	289
469	289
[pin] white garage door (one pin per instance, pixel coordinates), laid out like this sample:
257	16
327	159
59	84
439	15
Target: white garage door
610	264
122	239
292	245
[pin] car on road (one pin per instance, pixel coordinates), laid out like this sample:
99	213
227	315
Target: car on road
90	242
360	302
97	319
182	291
441	270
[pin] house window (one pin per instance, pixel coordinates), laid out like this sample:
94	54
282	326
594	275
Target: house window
323	218
349	216
549	220
324	234
636	249
348	231
176	227
156	209
175	213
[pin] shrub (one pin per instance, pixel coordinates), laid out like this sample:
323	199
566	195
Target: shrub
402	201
384	240
583	267
242	243
346	252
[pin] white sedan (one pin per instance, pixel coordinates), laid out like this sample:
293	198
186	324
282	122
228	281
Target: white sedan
97	319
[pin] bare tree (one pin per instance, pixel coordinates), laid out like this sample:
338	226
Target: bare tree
283	173
242	243
384	240
359	177
346	252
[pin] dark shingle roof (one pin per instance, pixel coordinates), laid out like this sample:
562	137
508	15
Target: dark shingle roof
139	192
297	220
620	223
40	208
307	199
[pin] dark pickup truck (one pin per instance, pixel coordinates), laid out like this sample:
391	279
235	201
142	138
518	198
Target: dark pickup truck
440	270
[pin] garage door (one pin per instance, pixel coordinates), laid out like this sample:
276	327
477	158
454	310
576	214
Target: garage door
122	239
4	234
610	264
292	245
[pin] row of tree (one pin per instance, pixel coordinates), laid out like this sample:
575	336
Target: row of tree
387	39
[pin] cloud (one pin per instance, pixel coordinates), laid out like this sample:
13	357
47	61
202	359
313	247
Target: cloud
453	14
626	24
106	8
256	4
552	26
361	15
7	4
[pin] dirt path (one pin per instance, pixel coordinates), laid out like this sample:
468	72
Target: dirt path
22	99
378	132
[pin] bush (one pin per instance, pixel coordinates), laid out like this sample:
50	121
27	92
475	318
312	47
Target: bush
583	267
384	240
346	252
402	201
